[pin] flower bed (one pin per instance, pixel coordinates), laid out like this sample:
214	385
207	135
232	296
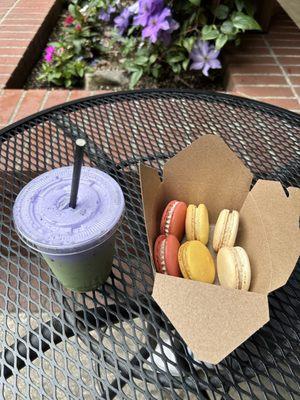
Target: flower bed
158	42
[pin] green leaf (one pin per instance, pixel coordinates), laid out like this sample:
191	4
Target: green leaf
176	68
221	40
185	64
188	43
141	60
227	27
221	11
54	44
195	2
209	32
152	58
173	59
73	10
131	30
239	4
155	71
77	46
244	22
135	77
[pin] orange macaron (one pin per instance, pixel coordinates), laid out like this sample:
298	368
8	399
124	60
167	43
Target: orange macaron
166	255
173	219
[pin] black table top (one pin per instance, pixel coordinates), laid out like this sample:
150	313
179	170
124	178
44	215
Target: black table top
115	342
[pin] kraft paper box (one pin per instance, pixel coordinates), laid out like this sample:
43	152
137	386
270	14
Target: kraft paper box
213	320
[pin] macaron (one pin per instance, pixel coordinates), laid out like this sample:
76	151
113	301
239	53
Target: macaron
226	229
197	223
166	255
173	219
196	262
233	267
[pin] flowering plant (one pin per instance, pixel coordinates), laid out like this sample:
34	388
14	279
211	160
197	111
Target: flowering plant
157	37
67	60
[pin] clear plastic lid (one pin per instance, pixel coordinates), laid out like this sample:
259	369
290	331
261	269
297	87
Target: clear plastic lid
45	221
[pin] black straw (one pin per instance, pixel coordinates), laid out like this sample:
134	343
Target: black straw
80	144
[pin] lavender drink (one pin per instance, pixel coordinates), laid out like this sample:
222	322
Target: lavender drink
78	244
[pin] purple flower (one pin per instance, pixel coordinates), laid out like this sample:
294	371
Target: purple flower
147	8
49	53
165	36
105	15
205	57
122	21
156	23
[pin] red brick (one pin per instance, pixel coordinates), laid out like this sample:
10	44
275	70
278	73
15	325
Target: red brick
16	28
6	69
297	89
258	91
249	50
285	27
15	35
14	43
295	80
285	51
23	22
9	60
12	51
56	97
31	103
236	80
8	101
3	80
286	60
290	104
284	43
78	94
254	69
16	15
284	36
292	69
251	59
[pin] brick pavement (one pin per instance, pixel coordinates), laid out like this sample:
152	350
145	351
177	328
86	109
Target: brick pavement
267	66
17	103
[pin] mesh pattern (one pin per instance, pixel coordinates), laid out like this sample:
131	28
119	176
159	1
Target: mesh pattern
115	342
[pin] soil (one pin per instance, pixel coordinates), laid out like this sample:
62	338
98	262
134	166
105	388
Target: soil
189	79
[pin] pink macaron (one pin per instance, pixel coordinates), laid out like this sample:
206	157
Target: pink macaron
166	255
173	219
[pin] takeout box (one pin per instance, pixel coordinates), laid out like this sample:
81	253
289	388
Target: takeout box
213	320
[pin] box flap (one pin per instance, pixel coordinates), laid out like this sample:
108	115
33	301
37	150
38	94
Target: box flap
208	171
152	196
212	320
269	232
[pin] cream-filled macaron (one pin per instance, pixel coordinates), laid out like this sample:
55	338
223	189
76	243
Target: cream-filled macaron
197	223
233	268
226	229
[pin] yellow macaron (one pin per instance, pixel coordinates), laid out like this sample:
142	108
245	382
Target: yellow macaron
197	223
226	229
233	267
196	262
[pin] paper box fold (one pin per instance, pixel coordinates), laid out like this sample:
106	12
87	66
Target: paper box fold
211	319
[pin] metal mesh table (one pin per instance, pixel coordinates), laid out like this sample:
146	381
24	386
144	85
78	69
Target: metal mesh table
115	342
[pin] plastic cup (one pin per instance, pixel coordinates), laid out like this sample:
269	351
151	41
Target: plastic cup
78	244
